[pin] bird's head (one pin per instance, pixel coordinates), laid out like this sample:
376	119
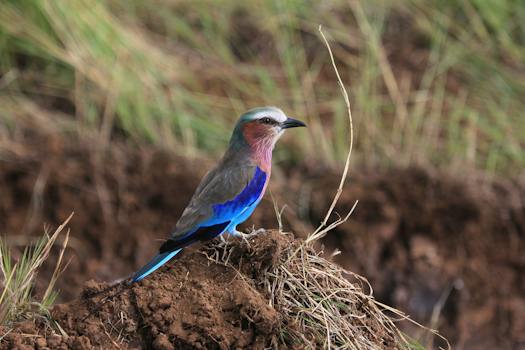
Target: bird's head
259	129
262	126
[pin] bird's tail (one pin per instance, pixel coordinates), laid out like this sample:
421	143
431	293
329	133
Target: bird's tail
154	264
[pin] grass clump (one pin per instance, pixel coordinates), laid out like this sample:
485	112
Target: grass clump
18	278
320	304
324	309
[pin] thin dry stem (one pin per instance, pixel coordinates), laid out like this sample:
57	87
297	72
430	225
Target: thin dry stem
58	267
321	231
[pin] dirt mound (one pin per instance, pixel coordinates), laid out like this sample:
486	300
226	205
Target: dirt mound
193	303
201	300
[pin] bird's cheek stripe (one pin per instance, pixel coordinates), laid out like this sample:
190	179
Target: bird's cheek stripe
254	131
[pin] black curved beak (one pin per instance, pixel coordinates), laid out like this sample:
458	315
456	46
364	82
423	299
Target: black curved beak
292	123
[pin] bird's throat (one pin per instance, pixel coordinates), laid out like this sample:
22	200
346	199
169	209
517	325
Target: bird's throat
261	152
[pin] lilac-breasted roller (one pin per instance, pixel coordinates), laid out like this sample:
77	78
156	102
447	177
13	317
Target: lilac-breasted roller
229	193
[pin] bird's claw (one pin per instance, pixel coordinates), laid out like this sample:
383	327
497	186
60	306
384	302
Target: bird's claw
247	236
257	232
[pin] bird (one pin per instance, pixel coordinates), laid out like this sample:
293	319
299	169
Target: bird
229	193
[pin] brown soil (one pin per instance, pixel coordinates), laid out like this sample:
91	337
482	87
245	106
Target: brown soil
418	236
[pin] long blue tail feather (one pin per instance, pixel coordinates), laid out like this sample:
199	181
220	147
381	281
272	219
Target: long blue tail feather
154	264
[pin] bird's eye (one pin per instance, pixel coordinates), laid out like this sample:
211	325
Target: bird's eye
267	120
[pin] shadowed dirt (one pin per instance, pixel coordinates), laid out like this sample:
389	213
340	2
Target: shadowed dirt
434	243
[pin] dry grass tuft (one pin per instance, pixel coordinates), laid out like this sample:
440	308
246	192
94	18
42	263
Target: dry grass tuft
322	305
324	309
18	278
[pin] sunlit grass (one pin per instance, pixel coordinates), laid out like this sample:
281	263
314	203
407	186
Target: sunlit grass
179	74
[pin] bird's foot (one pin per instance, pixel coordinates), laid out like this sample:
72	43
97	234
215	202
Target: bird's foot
244	236
247	236
257	232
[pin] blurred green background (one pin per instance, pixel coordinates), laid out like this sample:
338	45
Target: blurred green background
438	83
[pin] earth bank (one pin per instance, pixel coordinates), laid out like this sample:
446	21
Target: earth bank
427	241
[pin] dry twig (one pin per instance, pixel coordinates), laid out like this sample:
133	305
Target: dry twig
323	228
